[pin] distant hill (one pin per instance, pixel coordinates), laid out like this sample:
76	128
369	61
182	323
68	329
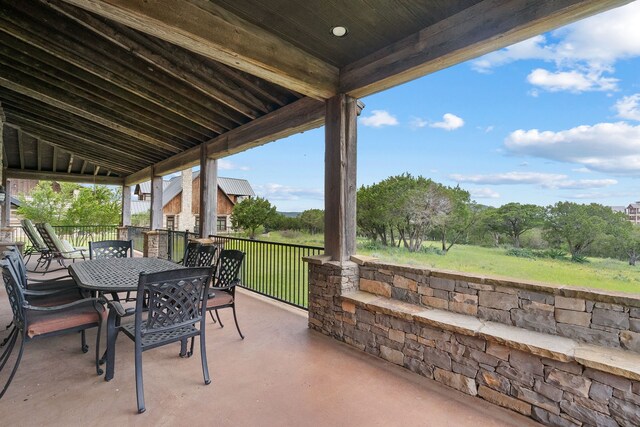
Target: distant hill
290	214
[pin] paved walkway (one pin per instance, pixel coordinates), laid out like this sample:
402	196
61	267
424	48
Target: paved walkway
282	374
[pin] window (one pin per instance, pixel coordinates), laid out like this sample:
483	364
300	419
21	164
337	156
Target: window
196	225
222	223
171	222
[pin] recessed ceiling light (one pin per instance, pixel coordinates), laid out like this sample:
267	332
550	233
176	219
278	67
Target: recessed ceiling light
339	31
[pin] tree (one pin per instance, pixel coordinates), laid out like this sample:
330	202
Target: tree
513	219
463	214
313	220
580	225
48	202
250	214
94	206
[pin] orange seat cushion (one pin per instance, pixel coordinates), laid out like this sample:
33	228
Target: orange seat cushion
41	322
220	299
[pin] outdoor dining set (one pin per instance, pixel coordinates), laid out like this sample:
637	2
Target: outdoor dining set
152	301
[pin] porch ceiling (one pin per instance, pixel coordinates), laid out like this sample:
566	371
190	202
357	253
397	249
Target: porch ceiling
107	89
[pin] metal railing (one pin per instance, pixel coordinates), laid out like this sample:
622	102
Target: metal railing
275	270
77	235
177	243
136	234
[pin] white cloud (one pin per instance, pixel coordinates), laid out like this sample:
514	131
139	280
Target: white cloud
484	193
379	118
571	81
417	122
227	165
544	180
449	122
272	191
604	147
581	170
629	107
590	47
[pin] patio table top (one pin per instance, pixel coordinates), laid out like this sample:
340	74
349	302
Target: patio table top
116	274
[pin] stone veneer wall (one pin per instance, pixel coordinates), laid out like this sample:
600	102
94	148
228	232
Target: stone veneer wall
553	392
587	315
155	244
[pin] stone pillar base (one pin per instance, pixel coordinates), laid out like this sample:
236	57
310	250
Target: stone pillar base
328	280
123	233
6	234
155	244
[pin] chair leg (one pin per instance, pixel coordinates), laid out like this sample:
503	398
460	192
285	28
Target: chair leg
99	370
139	383
10	341
83	339
192	344
235	319
15	367
219	321
212	318
112	334
203	357
183	348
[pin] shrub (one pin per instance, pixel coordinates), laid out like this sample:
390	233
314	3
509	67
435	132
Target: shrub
521	253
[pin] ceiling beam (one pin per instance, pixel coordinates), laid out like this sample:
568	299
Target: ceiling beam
299	116
477	30
61	176
212	31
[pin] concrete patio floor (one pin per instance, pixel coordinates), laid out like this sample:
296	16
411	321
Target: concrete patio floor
282	374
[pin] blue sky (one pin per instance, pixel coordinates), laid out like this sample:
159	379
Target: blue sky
556	117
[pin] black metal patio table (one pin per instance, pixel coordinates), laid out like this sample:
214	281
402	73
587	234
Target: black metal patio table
115	275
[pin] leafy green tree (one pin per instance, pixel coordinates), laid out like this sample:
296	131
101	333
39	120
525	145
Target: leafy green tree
513	219
579	226
453	226
46	204
313	220
94	206
141	219
250	214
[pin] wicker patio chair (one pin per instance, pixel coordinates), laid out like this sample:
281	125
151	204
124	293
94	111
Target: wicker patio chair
37	244
191	255
39	321
173	303
61	250
222	293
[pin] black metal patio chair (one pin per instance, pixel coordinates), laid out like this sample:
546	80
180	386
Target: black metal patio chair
33	321
58	283
190	258
111	249
37	244
223	292
173	303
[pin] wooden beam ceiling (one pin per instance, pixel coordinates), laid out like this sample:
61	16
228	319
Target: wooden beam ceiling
61	176
234	42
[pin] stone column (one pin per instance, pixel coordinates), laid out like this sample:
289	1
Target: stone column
155	244
6	207
187	220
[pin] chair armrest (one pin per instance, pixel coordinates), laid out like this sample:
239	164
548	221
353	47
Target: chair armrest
34	293
54	308
233	284
67	277
119	309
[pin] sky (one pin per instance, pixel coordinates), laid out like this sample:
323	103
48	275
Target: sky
555	117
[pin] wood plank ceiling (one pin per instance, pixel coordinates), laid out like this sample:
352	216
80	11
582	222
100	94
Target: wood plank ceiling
118	89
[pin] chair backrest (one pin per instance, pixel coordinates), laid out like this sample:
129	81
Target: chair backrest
16	262
191	254
174	300
15	294
207	255
51	239
33	235
111	249
228	268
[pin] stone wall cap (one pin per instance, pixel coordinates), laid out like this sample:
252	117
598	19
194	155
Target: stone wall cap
614	361
363	259
317	259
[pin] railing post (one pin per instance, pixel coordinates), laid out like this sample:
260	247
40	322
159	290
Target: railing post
170	245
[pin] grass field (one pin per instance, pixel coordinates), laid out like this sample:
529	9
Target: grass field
598	273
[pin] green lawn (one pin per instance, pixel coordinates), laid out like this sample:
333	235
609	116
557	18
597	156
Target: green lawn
597	273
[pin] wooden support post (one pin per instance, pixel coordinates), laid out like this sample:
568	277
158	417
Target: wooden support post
340	177
156	201
208	194
126	206
6	206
